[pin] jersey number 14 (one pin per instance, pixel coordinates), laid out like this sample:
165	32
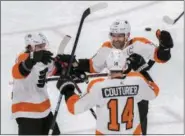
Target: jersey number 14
126	116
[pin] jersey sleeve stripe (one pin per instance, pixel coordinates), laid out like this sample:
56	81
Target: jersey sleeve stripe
71	102
93	82
31	107
22	57
140	39
15	70
16	73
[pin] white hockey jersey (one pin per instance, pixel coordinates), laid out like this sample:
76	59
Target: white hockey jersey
138	45
29	95
116	103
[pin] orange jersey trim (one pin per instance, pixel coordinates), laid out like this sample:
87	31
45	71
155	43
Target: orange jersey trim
16	73
71	102
31	107
141	39
138	131
99	133
154	87
107	44
15	70
93	82
156	58
22	57
92	70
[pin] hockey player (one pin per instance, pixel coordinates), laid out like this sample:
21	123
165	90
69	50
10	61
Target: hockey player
120	39
30	102
115	98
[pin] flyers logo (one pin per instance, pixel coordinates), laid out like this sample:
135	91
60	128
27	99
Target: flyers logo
42	78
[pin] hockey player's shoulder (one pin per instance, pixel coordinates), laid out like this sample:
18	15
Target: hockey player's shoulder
94	82
136	74
107	44
22	56
151	84
105	47
141	40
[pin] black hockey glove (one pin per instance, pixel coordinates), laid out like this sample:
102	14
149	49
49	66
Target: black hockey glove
165	39
37	56
64	58
165	44
41	56
83	65
62	61
135	61
65	85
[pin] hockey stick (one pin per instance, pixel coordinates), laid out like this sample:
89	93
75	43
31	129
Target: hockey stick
170	21
55	78
63	44
61	48
87	12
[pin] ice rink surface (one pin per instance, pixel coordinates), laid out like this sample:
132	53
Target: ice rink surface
55	19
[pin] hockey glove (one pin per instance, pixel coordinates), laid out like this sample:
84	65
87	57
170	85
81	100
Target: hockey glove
37	56
41	56
62	61
65	58
165	44
165	39
135	61
65	85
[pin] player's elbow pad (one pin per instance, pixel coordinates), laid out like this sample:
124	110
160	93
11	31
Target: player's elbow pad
163	54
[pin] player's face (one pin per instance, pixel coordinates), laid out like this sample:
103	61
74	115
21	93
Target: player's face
40	47
118	40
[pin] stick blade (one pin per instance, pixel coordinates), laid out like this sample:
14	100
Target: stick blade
63	44
168	20
98	6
